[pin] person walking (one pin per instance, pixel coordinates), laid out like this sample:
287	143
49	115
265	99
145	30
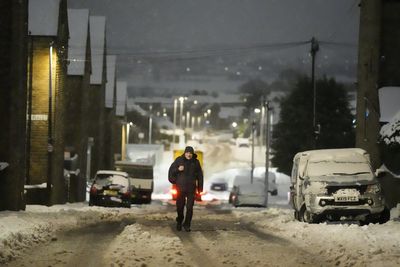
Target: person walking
187	174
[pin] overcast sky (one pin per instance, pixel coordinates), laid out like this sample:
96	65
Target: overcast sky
137	26
199	23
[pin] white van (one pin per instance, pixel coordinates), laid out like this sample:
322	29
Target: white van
336	184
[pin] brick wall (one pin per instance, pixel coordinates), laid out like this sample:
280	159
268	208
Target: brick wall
40	104
39	130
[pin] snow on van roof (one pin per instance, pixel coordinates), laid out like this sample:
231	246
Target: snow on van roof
332	153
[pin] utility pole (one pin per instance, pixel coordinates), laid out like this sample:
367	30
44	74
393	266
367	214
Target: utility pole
367	116
313	51
267	145
253	127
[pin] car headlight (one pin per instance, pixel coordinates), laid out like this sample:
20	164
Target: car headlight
373	188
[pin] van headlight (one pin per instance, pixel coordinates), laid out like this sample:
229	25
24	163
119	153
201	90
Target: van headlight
373	188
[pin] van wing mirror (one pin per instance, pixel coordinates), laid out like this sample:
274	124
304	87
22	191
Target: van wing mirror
379	173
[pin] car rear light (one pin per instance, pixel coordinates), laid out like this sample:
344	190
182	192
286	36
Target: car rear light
93	190
174	191
127	194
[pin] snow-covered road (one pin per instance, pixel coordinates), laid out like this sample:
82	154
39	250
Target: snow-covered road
221	236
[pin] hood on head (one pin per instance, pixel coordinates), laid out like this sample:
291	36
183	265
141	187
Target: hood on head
189	149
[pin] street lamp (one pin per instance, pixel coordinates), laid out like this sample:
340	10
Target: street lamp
150	122
175	108
181	99
267	146
187	119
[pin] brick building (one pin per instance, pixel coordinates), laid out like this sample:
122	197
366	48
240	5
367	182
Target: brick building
95	115
76	97
109	132
47	68
13	64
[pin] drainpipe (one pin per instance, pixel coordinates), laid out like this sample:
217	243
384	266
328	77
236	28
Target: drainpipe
50	132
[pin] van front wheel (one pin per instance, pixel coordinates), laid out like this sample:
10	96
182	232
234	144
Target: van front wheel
306	216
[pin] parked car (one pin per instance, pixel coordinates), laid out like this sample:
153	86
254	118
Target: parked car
245	179
249	194
110	188
219	185
336	184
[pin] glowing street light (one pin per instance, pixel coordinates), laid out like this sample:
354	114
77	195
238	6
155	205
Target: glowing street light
181	99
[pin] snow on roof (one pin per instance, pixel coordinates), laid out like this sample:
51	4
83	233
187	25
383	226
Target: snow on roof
138	109
201	99
97	42
78	20
389	102
390	132
228	112
43	17
121	98
110	85
111	172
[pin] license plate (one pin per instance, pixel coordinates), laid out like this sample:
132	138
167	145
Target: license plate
110	193
346	198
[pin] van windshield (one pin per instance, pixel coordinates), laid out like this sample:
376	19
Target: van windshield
337	168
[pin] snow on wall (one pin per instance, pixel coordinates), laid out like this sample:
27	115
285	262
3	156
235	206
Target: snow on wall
78	20
43	17
110	85
389	102
121	98
97	41
390	133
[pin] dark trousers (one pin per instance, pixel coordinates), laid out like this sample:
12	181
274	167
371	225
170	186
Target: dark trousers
184	198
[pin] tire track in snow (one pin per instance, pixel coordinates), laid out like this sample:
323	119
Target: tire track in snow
195	251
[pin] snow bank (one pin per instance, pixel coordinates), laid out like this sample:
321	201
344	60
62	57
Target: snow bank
20	230
342	244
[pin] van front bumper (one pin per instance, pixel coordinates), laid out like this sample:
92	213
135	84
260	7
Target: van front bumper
367	204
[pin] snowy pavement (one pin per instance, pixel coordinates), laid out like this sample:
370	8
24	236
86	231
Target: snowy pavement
152	241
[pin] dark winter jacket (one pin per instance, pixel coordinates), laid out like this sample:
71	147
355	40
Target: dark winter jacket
191	178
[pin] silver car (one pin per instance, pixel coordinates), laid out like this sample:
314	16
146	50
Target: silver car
336	184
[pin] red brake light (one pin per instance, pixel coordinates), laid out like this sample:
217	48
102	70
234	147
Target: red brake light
93	190
173	191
